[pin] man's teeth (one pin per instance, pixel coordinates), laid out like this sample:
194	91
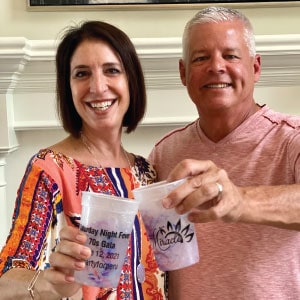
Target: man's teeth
218	85
102	105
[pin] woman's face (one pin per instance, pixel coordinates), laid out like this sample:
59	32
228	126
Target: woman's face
99	86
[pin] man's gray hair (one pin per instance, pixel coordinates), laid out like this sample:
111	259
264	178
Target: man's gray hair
218	15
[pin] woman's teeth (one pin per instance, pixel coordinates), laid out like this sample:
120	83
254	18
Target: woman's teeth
102	105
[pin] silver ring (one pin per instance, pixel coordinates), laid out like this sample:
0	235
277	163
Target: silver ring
220	190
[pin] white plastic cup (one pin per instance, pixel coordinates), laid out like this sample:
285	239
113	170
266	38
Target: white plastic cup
172	236
108	221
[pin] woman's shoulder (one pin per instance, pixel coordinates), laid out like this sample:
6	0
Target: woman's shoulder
144	170
67	147
61	153
52	163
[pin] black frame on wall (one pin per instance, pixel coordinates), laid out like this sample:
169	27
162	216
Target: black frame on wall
161	4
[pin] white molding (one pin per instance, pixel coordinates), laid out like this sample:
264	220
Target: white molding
28	73
27	66
36	125
152	121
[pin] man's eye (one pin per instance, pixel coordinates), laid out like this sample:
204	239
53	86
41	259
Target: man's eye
231	56
199	58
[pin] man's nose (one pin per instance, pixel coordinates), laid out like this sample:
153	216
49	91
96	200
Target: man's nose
217	64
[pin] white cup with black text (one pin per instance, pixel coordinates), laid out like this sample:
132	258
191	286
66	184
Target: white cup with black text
108	221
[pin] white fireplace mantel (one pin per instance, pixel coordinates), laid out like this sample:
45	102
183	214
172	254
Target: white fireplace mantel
27	66
27	79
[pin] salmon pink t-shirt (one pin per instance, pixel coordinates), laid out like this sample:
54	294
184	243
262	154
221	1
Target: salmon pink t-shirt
240	261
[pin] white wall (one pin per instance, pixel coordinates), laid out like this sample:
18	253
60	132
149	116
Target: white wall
27	115
17	21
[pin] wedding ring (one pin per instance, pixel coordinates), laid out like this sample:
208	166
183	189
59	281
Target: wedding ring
220	190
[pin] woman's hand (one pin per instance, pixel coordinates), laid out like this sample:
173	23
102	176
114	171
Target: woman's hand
70	255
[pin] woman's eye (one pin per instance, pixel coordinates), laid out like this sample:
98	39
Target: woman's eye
80	74
113	71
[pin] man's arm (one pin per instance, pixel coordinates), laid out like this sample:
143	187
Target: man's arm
277	206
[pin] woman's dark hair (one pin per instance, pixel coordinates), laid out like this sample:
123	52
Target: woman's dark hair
122	45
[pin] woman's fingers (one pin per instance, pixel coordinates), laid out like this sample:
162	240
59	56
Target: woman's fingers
70	253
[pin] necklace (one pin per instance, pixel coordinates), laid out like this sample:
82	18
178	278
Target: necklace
85	141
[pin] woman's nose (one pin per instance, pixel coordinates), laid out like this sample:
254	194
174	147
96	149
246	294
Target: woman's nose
98	83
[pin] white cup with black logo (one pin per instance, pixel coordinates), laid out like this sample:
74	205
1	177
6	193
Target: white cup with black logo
172	236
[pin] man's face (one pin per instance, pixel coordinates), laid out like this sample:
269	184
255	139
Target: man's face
219	72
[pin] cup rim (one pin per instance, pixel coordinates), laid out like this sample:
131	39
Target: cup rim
158	184
131	201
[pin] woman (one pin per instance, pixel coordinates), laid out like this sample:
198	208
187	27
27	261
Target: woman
100	89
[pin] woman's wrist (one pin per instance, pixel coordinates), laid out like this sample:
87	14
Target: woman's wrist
42	288
31	286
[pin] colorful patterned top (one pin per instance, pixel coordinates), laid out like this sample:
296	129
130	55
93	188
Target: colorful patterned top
49	197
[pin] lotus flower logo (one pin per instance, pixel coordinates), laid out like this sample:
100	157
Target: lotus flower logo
171	234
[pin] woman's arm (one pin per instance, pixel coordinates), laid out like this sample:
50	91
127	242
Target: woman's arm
50	284
14	284
34	235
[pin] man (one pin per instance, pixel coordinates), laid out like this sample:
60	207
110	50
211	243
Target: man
242	160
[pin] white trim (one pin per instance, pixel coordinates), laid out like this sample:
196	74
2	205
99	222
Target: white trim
28	65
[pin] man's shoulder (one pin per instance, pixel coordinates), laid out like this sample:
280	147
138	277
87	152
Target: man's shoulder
283	118
175	134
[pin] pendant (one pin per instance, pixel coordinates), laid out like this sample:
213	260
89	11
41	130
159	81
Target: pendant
140	270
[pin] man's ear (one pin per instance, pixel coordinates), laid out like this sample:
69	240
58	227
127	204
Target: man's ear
257	67
182	71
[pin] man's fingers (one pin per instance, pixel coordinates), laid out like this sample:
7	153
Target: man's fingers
192	194
189	167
